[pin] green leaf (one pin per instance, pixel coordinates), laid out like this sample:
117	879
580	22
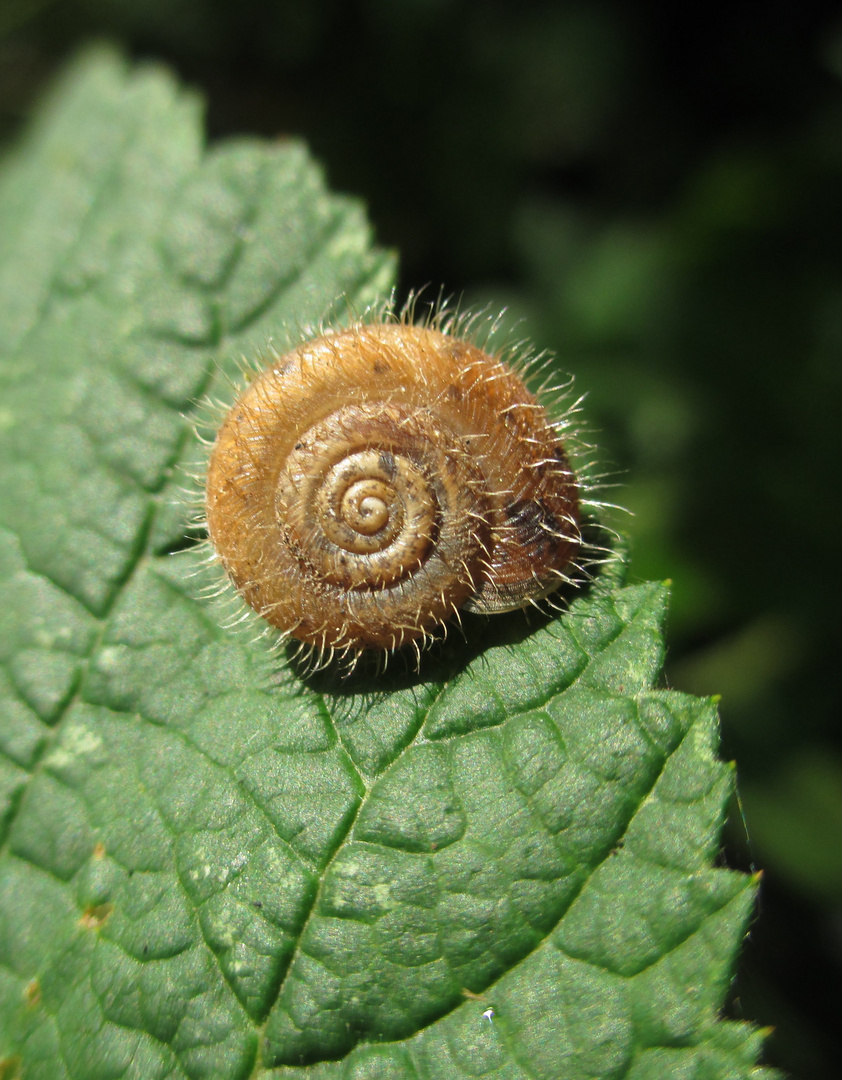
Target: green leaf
213	868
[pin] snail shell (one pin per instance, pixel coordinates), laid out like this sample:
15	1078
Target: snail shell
375	480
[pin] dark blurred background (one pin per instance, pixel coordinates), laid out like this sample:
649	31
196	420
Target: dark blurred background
656	192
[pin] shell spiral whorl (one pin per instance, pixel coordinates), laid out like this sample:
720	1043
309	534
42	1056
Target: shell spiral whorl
375	480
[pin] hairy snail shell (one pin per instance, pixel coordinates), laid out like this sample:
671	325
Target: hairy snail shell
375	480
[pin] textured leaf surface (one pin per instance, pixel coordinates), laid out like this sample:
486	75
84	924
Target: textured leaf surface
213	869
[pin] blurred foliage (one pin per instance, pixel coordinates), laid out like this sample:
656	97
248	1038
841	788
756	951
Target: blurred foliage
658	199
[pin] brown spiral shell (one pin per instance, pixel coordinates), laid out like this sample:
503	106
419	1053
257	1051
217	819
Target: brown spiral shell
375	480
